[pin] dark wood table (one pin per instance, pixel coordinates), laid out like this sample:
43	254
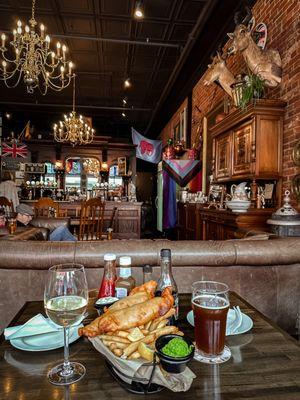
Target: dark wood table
265	364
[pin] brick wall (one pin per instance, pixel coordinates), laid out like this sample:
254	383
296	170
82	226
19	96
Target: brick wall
282	20
167	132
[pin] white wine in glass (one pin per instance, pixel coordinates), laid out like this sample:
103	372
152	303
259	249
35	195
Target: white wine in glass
65	300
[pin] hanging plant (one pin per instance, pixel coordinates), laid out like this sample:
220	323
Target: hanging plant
253	89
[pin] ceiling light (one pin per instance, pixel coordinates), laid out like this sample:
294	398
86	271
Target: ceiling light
73	129
124	101
138	12
33	62
8	115
127	83
123	115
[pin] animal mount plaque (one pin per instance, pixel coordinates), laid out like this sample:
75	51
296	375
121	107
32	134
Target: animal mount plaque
265	63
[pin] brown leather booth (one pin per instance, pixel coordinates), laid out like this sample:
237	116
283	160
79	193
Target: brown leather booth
266	273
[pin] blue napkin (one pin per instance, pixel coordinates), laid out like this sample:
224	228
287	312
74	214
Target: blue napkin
37	325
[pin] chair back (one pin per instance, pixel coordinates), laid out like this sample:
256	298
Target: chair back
6	205
91	220
46	207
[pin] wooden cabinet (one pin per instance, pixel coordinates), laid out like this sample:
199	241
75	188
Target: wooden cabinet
224	224
247	144
222	156
187	221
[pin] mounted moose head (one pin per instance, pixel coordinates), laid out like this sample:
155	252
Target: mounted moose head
218	72
264	63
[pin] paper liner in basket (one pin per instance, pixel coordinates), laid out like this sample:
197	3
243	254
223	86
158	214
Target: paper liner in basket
136	369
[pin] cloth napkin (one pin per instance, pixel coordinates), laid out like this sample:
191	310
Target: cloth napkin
136	369
37	325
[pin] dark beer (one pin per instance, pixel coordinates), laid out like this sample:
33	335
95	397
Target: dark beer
210	314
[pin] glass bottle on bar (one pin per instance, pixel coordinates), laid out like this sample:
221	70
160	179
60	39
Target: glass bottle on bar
166	279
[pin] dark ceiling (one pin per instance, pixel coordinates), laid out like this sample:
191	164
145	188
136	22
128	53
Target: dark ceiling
108	45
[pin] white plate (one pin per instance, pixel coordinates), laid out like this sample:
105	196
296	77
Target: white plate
246	325
45	342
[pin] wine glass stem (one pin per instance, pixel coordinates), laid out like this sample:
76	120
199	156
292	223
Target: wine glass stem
67	370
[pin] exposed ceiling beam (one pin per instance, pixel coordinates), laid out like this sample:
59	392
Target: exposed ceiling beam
146	42
111	108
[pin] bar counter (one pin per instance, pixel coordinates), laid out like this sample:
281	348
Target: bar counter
127	221
265	364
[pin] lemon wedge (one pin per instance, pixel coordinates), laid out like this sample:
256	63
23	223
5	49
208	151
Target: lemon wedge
146	352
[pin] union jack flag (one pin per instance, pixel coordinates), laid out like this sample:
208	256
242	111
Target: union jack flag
13	150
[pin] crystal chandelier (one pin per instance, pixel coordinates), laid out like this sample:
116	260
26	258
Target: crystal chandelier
91	166
73	129
33	60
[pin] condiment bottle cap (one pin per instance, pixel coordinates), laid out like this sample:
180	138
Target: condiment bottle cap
109	257
165	253
125	260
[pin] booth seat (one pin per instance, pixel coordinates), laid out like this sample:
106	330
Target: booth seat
264	272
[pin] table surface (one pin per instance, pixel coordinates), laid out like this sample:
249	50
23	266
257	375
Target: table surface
265	364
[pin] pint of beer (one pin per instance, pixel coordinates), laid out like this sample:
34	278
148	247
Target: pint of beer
210	304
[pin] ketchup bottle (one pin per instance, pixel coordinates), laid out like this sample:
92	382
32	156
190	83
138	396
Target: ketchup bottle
107	288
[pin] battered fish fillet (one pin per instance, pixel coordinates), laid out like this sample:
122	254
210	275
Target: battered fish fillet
130	317
137	295
148	287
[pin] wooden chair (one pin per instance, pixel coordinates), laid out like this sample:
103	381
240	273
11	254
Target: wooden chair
46	207
6	205
91	220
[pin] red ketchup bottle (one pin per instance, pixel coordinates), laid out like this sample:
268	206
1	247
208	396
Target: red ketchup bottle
107	288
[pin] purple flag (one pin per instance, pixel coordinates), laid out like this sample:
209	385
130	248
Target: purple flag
146	149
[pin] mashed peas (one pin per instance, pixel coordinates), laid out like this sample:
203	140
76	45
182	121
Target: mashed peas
177	347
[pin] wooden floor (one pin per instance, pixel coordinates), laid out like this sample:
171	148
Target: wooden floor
265	364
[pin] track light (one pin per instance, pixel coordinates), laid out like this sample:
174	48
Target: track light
138	12
124	101
123	115
127	83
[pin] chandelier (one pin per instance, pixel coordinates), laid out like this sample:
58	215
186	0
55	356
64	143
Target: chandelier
73	129
33	60
91	166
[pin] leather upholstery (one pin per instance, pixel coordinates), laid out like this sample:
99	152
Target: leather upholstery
184	253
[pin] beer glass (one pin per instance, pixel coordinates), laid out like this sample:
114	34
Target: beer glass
65	300
210	304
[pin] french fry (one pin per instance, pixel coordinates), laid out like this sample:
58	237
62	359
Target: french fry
142	326
133	346
162	324
123	334
148	324
106	343
165	331
134	356
145	332
112	346
180	333
118	352
158	320
114	338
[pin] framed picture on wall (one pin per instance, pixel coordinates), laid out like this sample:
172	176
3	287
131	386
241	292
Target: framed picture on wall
176	133
182	123
122	165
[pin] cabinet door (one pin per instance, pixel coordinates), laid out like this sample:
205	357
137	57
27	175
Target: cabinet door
243	146
190	227
222	157
181	221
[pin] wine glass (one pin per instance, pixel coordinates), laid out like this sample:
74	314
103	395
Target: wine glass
65	301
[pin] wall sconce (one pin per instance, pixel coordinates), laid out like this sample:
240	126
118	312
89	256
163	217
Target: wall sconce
59	165
104	166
